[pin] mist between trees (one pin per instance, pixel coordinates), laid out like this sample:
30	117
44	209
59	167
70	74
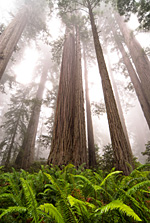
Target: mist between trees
89	84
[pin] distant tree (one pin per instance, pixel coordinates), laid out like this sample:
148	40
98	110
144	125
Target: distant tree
138	56
141	8
91	146
14	126
50	102
98	108
106	161
147	152
135	80
28	14
111	34
26	155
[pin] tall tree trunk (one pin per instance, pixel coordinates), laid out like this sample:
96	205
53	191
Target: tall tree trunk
119	104
69	139
26	155
134	79
10	37
91	146
138	55
120	146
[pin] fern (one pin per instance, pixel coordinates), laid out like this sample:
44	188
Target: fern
144	166
109	176
30	198
64	201
11	210
50	211
80	204
138	186
9	196
138	207
118	204
83	210
14	186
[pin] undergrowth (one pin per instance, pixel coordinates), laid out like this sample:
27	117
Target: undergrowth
69	195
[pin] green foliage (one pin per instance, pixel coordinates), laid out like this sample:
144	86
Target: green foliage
141	8
15	124
52	211
106	161
147	152
117	204
70	195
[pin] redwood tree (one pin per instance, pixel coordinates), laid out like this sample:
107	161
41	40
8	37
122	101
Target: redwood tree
134	79
120	146
69	139
91	146
33	14
138	55
10	37
26	155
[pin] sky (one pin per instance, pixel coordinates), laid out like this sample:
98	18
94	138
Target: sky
25	68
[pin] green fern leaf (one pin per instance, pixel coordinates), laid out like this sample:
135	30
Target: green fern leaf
118	204
11	210
98	188
74	201
9	196
135	188
83	178
50	211
30	198
108	176
64	199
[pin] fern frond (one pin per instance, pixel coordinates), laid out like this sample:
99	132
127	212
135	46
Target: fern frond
53	182
11	210
138	186
50	211
9	196
30	198
98	188
98	177
108	176
64	199
118	204
83	178
83	204
141	167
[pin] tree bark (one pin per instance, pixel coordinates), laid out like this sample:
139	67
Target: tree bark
69	139
26	155
138	55
10	37
120	146
91	146
134	79
119	106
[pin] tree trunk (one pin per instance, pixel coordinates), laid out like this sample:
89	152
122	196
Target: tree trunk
138	55
69	139
120	146
10	37
119	106
134	79
91	147
26	155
